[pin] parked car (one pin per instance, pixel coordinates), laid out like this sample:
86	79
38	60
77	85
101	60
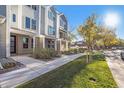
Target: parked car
122	55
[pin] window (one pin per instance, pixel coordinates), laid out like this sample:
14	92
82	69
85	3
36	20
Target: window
34	7
51	16
27	23
25	42
33	24
14	18
51	30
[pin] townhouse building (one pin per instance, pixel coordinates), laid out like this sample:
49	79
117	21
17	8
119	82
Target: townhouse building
62	32
25	27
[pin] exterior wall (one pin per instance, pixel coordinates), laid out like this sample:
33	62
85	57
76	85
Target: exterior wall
32	14
3	32
3	10
18	28
49	22
49	43
42	20
22	11
62	33
39	42
62	45
20	49
63	22
19	45
14	10
3	40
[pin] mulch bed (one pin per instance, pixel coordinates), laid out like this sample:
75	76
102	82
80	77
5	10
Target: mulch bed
18	66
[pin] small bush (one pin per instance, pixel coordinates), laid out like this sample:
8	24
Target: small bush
81	50
71	51
45	53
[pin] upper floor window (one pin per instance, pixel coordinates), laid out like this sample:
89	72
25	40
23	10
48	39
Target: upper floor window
14	18
51	30
33	24
27	22
63	24
34	7
51	16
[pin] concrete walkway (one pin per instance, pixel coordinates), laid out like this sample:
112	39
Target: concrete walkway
33	69
116	66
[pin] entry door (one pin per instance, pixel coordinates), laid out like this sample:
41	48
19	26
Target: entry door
13	44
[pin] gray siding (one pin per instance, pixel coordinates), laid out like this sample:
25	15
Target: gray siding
3	10
42	20
2	40
2	33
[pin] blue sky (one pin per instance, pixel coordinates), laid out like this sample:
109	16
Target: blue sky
77	14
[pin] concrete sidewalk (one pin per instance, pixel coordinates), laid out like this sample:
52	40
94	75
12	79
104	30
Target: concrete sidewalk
116	66
33	69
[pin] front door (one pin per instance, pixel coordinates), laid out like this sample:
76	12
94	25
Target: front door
13	44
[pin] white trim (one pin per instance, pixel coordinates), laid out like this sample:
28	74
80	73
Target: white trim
8	16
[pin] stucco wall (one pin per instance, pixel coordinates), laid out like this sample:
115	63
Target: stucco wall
20	49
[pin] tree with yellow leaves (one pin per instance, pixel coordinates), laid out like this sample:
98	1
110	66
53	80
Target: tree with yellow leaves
88	32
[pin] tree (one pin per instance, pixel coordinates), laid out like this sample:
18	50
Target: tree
107	37
88	32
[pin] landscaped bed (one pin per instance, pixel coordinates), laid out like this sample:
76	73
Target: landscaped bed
77	74
8	64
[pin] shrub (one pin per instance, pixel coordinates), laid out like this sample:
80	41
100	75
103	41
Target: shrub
45	53
81	50
73	51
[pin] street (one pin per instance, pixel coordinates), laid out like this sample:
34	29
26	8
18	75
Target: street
116	65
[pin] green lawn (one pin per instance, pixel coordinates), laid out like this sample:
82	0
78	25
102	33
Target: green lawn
77	74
